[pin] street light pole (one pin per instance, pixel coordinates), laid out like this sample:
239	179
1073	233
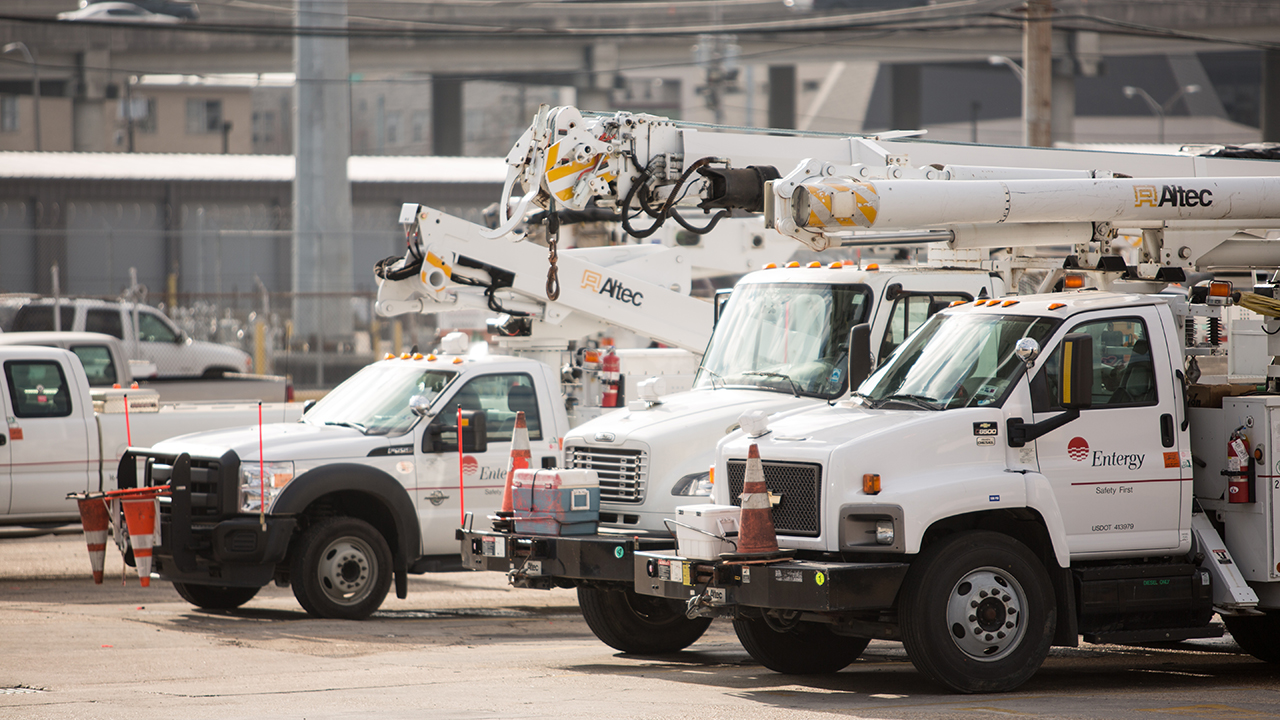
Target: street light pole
35	81
1131	91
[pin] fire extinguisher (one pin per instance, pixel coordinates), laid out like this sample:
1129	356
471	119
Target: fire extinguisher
611	367
1240	469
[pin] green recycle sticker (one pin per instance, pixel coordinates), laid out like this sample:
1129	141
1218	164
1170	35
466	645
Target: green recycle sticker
618	552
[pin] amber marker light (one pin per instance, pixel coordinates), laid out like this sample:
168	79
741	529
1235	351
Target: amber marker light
1057	306
771	266
1073	282
871	483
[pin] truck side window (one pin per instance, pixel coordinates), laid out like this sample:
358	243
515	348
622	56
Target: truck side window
909	313
35	318
104	321
500	397
152	329
1123	370
38	388
97	363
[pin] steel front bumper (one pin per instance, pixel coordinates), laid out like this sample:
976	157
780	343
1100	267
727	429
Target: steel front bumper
804	585
545	561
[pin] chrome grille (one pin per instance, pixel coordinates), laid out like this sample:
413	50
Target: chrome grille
799	487
623	472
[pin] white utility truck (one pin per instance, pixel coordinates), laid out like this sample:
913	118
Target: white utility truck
636	163
62	436
779	345
1026	470
373	471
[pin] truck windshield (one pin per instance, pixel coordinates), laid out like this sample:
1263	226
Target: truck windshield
375	400
956	360
790	337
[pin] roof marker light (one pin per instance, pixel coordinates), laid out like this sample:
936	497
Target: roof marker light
1007	303
1057	306
457	361
873	267
417	356
431	358
771	266
389	356
836	265
1073	282
815	264
404	356
957	303
793	264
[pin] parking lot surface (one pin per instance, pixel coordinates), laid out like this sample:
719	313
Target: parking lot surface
466	646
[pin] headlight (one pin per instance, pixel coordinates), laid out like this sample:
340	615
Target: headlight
696	484
884	532
253	484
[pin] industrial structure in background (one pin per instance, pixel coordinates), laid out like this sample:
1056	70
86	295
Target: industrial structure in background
436	78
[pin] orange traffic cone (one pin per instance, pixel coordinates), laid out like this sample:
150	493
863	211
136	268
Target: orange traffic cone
757	539
93	516
140	517
520	459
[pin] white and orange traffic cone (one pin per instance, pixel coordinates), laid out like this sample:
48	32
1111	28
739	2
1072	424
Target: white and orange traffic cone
520	460
140	517
757	539
93	516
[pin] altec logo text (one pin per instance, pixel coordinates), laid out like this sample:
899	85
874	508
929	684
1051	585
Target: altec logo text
1172	195
591	280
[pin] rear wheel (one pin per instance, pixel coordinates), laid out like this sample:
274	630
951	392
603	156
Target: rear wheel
805	649
977	612
640	624
1258	635
215	597
341	568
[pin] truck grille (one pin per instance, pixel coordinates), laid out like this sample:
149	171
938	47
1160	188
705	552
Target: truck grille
623	472
798	484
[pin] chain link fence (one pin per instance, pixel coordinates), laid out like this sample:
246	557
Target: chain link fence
224	278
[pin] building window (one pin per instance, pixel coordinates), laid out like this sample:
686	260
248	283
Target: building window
393	128
204	116
8	113
141	110
264	126
419	123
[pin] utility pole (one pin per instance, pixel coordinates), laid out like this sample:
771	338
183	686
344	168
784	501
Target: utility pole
1037	61
322	242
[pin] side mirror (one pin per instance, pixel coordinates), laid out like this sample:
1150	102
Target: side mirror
1075	387
722	299
859	354
307	406
474	433
419	405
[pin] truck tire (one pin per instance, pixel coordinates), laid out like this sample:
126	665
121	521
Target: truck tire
633	623
1258	635
215	597
807	649
341	568
963	635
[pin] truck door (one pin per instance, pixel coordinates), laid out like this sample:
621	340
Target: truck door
48	446
1116	471
6	463
484	474
161	343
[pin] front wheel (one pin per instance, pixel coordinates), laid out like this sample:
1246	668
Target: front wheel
977	612
1258	635
806	649
634	623
341	569
215	597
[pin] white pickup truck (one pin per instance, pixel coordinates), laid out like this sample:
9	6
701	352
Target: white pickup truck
370	485
61	436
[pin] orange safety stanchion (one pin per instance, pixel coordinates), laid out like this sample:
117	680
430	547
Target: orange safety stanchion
93	516
520	460
140	517
757	539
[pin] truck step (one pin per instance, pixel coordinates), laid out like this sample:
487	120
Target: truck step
1134	637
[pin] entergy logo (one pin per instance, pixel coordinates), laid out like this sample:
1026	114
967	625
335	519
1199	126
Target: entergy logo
1078	449
470	466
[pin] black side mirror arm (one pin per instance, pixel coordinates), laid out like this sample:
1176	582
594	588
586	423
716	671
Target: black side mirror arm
1021	433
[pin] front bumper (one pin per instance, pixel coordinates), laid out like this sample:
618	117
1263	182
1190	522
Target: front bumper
803	585
545	561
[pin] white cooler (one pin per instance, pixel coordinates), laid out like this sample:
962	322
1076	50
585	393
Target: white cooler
705	531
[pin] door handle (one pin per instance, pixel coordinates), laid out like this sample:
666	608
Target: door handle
1166	430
